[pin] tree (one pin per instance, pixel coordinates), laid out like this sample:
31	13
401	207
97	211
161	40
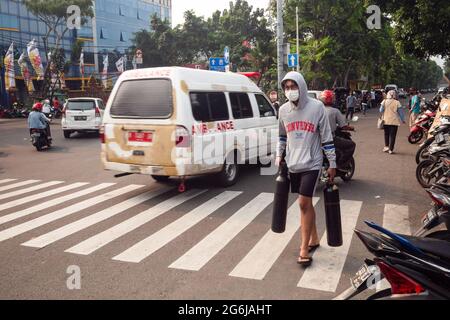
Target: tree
53	13
420	27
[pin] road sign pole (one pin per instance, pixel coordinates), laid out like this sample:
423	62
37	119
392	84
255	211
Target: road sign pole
298	56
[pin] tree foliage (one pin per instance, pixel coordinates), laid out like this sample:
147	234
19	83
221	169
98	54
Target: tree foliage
336	45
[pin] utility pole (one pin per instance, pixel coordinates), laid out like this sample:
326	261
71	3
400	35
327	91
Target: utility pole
280	52
298	57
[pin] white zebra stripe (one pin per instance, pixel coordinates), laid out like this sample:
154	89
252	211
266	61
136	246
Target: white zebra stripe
265	253
96	242
7	180
54	202
18	184
40	221
325	272
206	249
41	195
60	233
30	189
146	247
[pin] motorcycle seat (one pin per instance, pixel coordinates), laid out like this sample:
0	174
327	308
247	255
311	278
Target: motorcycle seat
436	247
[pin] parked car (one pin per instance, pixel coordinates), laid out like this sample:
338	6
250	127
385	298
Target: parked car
165	122
441	90
390	87
314	94
82	115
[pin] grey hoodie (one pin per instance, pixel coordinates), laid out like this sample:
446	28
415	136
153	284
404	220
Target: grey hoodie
304	131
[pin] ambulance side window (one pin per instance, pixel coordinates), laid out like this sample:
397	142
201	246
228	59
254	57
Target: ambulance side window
209	106
265	109
241	106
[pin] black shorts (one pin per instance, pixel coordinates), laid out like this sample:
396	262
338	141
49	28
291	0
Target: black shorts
304	183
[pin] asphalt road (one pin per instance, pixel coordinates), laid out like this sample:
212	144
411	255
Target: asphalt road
201	240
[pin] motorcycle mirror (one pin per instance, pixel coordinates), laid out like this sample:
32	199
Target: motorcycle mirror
355	119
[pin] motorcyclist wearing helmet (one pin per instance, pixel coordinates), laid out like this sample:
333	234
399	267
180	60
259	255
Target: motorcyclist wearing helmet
344	148
37	120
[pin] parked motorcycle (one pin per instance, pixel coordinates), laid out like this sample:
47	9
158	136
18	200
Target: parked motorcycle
421	126
423	153
416	268
432	169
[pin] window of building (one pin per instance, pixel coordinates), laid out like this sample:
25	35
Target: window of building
123	36
33	26
209	106
265	109
103	33
7	21
241	106
24	26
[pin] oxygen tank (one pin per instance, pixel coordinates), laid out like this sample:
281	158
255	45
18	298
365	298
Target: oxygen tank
280	201
333	215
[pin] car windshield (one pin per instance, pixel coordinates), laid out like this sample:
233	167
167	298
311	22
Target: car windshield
81	105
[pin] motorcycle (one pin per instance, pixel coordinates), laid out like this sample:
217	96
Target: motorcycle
421	126
40	139
344	172
435	167
439	214
415	268
422	152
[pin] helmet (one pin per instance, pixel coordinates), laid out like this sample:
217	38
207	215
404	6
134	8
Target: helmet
37	106
327	97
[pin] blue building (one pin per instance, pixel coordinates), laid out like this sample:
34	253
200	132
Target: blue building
109	31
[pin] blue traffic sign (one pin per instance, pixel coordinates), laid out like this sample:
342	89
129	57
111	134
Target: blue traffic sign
217	64
226	55
292	60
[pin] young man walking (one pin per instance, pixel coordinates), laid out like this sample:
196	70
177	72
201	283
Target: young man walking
304	132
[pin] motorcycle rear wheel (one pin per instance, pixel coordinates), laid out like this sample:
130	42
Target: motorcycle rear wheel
350	172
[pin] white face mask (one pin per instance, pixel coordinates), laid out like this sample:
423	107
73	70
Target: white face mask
292	95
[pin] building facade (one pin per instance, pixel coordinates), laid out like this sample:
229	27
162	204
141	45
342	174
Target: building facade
110	31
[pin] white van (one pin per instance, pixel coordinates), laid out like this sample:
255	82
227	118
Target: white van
183	122
82	115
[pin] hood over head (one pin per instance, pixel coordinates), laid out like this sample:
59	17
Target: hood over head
301	83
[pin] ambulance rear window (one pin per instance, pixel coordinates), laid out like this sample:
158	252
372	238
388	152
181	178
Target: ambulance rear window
143	98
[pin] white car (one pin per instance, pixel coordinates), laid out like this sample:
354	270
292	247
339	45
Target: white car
314	94
82	115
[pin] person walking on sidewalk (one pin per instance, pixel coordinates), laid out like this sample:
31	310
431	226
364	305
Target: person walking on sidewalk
351	104
414	107
304	134
392	113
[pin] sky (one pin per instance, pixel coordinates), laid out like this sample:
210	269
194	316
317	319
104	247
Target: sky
206	8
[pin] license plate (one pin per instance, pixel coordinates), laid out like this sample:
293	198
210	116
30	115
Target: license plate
80	118
140	136
361	276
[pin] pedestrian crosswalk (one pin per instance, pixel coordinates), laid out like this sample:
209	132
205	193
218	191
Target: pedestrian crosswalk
31	204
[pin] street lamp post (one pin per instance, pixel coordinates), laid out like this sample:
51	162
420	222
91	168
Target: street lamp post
280	42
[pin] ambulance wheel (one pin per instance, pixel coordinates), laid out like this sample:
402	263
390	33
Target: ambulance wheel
230	172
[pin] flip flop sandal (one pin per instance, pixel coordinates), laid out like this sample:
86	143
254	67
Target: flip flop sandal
304	261
313	248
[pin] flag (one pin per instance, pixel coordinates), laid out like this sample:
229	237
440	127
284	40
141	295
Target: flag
124	62
119	65
133	62
10	80
105	71
82	63
35	59
25	72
